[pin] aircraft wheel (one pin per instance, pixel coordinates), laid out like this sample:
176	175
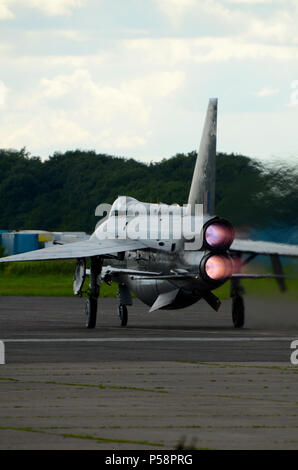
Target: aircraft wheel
238	311
123	314
91	312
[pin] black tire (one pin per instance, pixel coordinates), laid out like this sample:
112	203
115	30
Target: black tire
91	312
238	311
123	314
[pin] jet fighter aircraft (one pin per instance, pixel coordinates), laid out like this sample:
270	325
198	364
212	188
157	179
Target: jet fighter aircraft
141	247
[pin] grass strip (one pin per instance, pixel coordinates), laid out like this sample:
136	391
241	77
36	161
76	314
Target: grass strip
106	387
113	441
83	436
55	278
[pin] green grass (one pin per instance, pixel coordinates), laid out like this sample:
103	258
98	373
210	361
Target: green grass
55	278
49	285
44	278
261	288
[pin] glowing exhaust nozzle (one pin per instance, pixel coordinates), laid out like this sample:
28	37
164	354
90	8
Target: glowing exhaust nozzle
219	235
218	267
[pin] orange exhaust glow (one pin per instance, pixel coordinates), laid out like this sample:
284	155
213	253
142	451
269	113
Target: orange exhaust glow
218	267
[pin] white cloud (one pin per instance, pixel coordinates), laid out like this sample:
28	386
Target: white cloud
231	18
175	9
249	2
93	99
265	135
172	51
294	95
84	86
48	7
55	7
36	132
75	110
156	85
129	141
49	34
5	12
267	91
179	11
3	91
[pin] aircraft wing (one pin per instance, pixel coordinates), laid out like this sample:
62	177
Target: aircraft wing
82	249
264	248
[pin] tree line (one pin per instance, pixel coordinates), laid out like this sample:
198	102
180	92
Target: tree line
62	192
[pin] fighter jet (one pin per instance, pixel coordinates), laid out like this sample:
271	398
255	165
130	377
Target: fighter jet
170	257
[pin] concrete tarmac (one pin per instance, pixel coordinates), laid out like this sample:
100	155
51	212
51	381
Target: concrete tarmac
169	378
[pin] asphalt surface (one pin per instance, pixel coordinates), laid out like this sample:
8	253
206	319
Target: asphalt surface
52	330
181	378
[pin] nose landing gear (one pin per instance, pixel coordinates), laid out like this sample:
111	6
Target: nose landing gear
125	299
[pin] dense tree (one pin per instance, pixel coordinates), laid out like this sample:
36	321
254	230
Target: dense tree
62	192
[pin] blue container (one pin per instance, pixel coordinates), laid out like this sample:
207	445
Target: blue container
3	231
15	243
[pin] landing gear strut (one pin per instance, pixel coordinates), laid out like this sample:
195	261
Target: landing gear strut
91	302
238	315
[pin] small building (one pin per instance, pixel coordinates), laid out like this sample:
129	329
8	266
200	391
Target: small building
15	242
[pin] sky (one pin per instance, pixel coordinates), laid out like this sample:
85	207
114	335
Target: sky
133	78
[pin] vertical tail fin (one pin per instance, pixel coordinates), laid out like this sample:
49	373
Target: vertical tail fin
202	190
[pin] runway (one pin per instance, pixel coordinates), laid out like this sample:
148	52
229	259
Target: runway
182	378
52	330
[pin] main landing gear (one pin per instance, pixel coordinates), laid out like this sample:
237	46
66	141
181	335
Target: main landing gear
91	312
238	310
123	314
93	294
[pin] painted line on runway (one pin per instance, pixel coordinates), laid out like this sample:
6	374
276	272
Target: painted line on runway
148	340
